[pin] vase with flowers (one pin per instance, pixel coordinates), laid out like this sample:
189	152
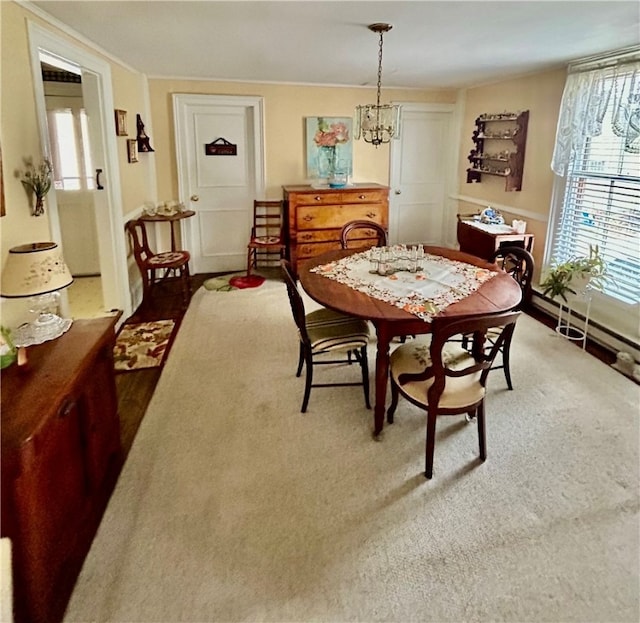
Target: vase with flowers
37	182
327	138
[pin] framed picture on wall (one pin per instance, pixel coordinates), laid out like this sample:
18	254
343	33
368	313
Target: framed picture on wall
329	146
132	150
121	122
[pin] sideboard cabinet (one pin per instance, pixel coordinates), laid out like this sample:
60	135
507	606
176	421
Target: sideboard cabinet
484	240
61	456
314	217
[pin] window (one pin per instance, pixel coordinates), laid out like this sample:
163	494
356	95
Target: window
72	169
597	199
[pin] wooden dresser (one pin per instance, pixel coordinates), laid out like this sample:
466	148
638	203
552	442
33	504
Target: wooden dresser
61	456
314	217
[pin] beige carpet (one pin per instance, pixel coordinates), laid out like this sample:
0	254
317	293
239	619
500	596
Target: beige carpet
233	506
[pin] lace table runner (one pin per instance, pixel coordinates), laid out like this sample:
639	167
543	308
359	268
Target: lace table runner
425	293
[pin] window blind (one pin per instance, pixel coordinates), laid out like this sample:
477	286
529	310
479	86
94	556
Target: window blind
601	206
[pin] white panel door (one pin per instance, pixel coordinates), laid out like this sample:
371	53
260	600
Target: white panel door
220	189
421	168
99	204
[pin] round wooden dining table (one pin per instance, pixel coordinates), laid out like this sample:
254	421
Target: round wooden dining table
499	294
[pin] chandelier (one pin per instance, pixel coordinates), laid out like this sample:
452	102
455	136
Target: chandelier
376	123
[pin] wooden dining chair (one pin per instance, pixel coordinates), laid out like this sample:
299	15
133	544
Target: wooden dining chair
266	243
325	332
444	378
519	263
362	233
157	268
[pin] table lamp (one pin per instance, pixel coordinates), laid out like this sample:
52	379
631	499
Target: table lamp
37	270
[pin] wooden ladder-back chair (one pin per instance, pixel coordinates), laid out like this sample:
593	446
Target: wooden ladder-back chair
323	332
356	234
157	268
443	377
267	241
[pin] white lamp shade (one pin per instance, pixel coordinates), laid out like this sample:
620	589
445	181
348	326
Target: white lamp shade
33	269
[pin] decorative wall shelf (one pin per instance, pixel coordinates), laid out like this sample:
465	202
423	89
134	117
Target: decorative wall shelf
490	157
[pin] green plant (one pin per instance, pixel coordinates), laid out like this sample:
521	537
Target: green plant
37	181
562	277
7	348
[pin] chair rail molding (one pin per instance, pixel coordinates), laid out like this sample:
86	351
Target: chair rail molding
534	216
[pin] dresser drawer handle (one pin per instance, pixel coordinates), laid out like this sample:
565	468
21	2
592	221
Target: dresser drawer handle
362	196
307	218
307	237
371	214
318	198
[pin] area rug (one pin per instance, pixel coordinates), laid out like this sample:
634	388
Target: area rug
235	507
143	345
234	281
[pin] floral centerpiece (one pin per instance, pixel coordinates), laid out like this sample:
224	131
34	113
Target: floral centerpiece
37	181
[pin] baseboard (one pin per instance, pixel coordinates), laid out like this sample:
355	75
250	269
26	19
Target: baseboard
599	335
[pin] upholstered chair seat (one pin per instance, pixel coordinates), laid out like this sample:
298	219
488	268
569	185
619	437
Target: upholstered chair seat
330	330
413	357
325	332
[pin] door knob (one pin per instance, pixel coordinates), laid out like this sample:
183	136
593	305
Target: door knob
195	198
398	192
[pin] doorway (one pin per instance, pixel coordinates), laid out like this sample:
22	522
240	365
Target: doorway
102	206
74	184
423	165
219	188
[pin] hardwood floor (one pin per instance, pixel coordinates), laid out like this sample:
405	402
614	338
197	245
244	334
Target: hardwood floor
135	389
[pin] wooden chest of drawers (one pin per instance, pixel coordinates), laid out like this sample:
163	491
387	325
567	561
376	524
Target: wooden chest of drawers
314	217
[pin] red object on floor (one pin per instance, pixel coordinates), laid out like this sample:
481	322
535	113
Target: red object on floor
251	281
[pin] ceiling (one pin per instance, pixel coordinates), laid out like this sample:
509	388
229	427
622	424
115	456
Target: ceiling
433	44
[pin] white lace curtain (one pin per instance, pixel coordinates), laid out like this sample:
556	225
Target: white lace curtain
588	97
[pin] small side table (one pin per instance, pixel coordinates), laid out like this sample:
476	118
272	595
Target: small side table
483	240
172	219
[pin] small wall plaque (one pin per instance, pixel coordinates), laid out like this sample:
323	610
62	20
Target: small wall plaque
121	122
221	147
132	150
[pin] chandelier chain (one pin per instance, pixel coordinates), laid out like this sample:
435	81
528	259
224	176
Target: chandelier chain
379	68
